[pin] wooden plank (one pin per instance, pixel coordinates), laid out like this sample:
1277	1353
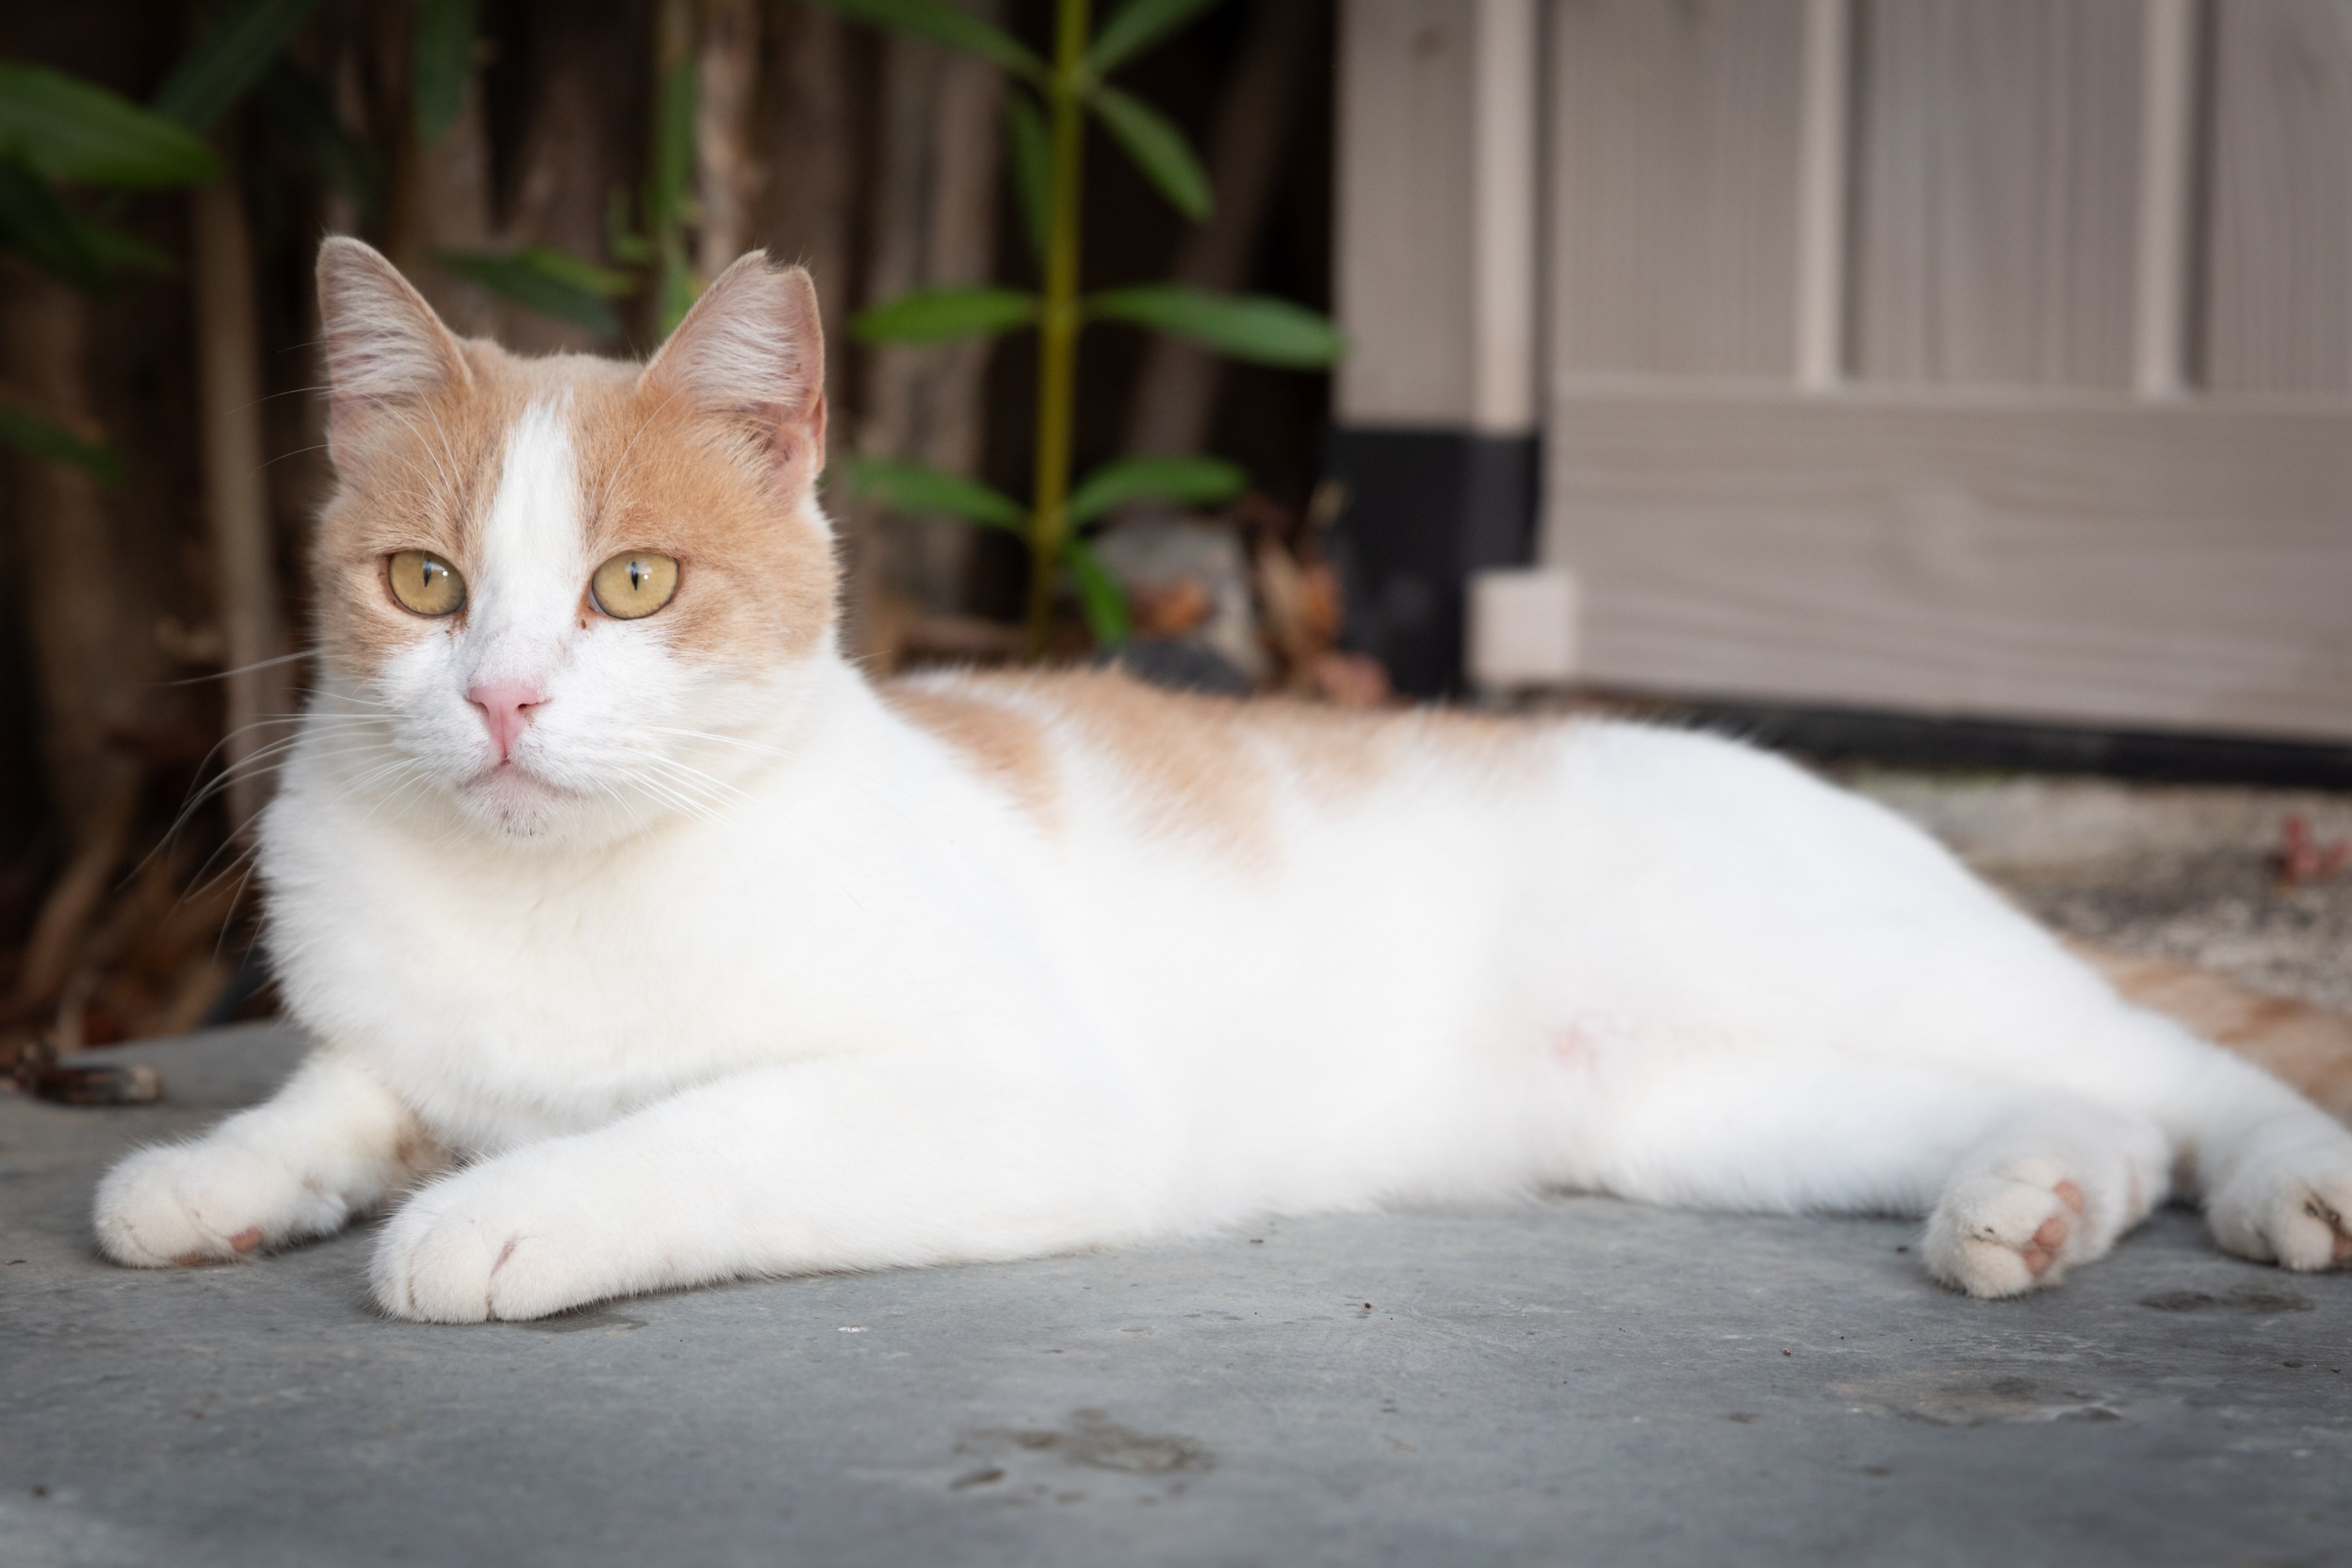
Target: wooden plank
1675	158
1825	194
1405	212
2280	316
1438	187
1999	163
2180	566
2164	296
1506	193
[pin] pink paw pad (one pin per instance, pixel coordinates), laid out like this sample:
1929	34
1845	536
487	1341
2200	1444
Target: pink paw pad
2043	1249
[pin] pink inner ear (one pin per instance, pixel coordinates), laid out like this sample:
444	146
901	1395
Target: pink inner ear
382	338
752	342
383	343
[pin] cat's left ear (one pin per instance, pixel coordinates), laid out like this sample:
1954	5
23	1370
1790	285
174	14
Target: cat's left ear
752	350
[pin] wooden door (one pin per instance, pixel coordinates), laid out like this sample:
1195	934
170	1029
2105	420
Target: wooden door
1970	357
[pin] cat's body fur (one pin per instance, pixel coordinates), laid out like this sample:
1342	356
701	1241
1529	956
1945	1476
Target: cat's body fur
745	965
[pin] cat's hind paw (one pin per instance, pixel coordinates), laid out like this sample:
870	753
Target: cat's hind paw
209	1202
2291	1206
2044	1197
1996	1234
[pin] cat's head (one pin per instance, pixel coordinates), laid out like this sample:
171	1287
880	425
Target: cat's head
568	595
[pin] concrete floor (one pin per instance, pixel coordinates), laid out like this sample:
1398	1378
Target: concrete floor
1578	1381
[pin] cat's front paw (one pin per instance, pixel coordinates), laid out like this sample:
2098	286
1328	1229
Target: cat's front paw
214	1201
2291	1206
486	1243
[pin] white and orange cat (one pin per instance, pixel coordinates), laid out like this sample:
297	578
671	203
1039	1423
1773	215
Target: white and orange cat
646	942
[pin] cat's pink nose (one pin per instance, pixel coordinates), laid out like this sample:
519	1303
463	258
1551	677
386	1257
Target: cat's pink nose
506	707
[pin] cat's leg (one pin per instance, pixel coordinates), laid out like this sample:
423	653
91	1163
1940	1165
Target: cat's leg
908	1157
1784	916
2272	1172
2031	1153
2054	1187
326	1146
2019	1182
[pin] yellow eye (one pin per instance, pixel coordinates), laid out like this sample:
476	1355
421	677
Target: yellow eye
424	582
633	586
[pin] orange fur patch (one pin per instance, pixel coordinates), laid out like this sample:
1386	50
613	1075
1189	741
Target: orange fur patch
1207	770
755	588
2310	1047
1002	744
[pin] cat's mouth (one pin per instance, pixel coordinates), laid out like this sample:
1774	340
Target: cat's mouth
513	782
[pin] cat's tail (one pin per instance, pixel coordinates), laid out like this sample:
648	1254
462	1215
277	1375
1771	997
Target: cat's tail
2308	1047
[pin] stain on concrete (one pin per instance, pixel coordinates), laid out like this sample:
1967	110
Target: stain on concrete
1945	1401
587	1320
1009	1464
2254	1298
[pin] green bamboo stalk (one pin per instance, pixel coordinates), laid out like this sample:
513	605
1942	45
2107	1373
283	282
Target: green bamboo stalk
1058	322
669	184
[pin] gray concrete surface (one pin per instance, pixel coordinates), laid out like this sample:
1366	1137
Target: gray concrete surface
1576	1382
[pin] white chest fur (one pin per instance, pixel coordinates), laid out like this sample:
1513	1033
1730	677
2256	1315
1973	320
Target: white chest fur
511	992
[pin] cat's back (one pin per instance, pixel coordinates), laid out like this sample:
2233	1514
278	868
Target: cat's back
1089	754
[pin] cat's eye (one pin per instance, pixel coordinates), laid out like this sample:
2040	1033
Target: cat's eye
632	586
424	584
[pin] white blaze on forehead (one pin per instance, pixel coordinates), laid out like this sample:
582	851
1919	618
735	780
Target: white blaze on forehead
528	574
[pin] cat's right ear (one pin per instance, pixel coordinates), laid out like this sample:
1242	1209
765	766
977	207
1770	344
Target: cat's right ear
385	346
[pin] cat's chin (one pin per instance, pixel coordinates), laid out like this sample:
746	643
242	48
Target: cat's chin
516	804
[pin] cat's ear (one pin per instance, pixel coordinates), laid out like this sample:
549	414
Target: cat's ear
752	351
385	345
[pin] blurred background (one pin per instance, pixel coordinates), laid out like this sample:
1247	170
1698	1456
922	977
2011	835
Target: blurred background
1965	382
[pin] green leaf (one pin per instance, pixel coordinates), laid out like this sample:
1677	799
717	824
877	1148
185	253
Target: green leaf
912	486
949	24
1158	148
57	444
938	314
119	252
1100	594
1136	27
547	281
299	105
1198	480
1247	326
626	244
64	129
36	222
230	58
81	252
441	62
565	267
1030	148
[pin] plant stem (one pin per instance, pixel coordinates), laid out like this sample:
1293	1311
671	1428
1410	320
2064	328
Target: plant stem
1057	337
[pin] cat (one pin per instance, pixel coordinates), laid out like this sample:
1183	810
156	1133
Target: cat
647	943
2307	1046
